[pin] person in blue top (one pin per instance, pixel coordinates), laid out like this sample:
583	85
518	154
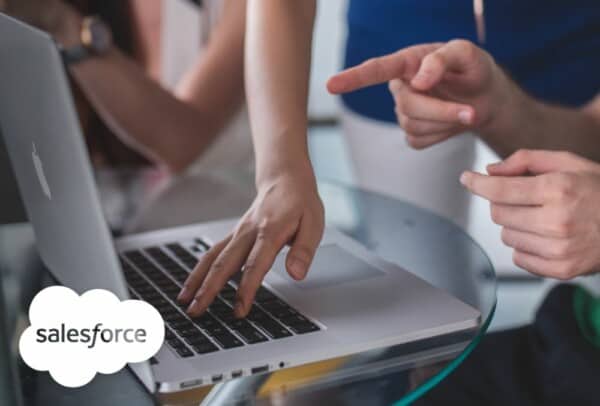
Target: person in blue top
546	46
545	199
541	44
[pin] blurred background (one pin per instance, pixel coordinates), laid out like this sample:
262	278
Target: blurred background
518	293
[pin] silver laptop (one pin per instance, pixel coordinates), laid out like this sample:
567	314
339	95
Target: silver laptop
351	301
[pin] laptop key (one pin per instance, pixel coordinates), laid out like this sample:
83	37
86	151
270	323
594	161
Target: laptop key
251	335
227	318
184	352
220	309
237	324
183	255
181	324
273	328
304	328
228	293
189	332
264	295
196	339
205	321
284	313
175	343
257	314
216	329
294	320
202	244
174	317
205	347
228	340
165	308
273	305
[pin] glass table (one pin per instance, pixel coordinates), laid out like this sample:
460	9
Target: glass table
429	246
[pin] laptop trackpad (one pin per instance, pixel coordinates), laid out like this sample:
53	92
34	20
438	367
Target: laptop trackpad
332	266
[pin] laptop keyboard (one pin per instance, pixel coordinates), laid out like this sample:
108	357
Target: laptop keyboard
156	274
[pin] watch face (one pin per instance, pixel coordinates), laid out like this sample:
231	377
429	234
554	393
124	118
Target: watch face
96	35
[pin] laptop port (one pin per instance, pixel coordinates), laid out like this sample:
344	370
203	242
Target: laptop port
236	374
259	370
217	378
189	384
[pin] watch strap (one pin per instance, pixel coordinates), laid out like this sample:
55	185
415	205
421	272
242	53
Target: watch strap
76	54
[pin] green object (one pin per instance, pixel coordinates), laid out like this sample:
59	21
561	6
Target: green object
427	386
587	314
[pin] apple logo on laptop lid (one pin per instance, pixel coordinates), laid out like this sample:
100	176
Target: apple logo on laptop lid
39	169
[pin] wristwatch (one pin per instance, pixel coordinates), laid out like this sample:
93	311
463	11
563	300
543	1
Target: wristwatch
96	39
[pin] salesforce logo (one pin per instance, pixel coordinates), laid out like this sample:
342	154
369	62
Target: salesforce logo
90	335
75	337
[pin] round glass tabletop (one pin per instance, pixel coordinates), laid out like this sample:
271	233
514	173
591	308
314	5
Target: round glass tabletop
423	243
426	245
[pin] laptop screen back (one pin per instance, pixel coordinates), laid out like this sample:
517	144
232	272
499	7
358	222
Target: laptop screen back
48	155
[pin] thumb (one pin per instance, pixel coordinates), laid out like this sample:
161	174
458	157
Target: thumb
455	56
535	162
304	247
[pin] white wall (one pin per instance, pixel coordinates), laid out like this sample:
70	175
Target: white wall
329	39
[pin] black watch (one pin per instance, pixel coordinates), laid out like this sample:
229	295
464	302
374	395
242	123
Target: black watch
96	39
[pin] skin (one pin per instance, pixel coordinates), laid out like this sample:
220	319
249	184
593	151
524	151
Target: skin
545	201
287	209
172	129
442	90
547	205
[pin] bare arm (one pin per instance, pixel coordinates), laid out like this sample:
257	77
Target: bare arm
526	123
278	51
287	209
170	128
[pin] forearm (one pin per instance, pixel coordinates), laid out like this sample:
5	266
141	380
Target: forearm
141	112
172	128
278	53
216	87
525	123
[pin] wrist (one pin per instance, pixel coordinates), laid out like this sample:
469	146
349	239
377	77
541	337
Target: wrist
509	106
290	169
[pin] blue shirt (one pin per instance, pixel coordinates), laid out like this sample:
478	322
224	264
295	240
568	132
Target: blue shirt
549	47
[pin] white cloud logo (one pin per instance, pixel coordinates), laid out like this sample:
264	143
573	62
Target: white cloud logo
74	337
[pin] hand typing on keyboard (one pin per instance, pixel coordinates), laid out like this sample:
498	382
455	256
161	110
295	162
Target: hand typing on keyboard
288	210
155	274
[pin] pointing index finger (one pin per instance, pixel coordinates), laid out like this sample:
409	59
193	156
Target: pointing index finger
380	70
372	72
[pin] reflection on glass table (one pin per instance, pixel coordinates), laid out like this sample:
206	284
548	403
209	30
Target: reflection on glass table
426	245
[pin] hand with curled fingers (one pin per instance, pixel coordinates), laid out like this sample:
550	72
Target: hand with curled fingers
548	205
440	90
287	210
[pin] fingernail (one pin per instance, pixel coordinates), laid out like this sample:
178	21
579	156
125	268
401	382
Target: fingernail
239	309
494	165
297	268
465	116
464	178
422	75
183	294
192	306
